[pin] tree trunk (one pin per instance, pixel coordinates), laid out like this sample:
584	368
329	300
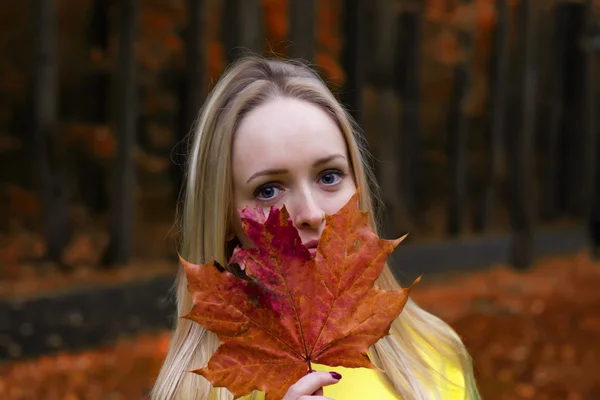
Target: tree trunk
251	26
191	90
388	135
497	127
302	33
592	41
92	185
51	173
123	207
521	145
229	29
552	175
241	28
353	58
578	156
406	65
99	79
589	91
458	134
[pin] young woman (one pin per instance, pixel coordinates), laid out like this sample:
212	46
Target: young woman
271	133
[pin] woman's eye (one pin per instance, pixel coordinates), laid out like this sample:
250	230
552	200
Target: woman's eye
331	178
267	192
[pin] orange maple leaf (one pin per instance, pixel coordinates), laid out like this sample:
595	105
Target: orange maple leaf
287	309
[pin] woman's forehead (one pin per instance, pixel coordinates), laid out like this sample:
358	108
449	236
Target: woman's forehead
284	131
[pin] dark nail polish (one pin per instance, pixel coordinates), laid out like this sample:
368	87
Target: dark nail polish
311	371
335	375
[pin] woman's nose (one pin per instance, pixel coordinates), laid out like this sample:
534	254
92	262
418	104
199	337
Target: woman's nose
307	213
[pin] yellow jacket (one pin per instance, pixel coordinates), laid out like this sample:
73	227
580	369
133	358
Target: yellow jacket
365	383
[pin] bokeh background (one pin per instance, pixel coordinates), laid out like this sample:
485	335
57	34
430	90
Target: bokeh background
481	115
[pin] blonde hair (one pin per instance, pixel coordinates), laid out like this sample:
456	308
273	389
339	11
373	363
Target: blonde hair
206	216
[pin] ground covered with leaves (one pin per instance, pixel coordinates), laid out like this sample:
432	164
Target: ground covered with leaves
123	371
533	335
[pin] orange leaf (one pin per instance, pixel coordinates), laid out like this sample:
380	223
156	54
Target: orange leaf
291	308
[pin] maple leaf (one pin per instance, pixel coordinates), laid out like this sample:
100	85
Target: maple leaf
291	309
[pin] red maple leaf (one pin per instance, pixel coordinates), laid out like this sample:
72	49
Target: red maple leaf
291	309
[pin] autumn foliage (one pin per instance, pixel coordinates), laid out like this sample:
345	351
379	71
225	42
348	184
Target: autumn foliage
161	45
285	309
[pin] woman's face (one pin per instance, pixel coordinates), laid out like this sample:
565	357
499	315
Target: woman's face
290	152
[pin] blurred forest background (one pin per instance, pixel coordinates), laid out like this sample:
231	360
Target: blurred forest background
481	116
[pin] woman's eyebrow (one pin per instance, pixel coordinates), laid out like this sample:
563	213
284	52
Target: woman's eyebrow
268	172
326	159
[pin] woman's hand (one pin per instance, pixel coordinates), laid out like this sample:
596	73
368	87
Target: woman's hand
310	387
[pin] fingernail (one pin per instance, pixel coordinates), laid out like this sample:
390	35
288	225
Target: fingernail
311	371
335	375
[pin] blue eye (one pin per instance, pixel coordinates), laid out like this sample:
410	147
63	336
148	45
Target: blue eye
267	192
331	178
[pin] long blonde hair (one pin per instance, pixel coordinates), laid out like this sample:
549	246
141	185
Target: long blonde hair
206	215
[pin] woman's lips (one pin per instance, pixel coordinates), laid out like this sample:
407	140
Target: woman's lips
311	246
